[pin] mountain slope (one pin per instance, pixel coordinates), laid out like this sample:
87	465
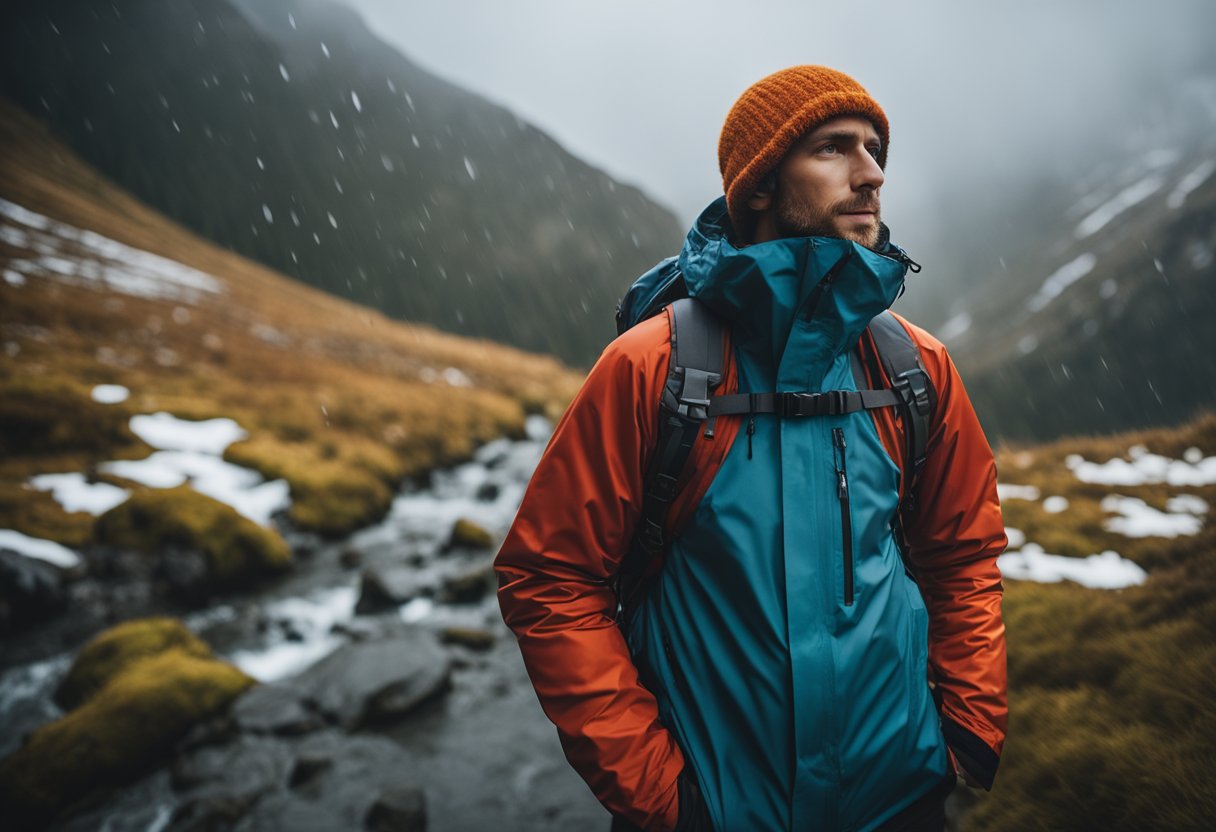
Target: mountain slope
1096	314
336	399
286	131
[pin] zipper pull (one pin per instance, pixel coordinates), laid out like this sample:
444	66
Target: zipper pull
842	480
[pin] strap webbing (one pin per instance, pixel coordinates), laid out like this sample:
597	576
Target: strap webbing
828	403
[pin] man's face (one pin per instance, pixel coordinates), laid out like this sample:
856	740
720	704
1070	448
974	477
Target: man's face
827	185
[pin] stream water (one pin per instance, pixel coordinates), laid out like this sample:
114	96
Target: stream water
488	757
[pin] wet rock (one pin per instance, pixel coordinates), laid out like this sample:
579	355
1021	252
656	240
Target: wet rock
471	637
360	771
371	682
398	809
248	767
273	709
488	491
382	589
351	558
468	535
308	768
211	813
30	591
468	587
186	573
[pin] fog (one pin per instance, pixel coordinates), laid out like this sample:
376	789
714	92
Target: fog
977	96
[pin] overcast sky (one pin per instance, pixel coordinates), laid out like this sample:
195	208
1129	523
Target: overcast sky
974	93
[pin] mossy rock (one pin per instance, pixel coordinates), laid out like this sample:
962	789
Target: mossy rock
237	549
124	730
111	652
41	416
468	535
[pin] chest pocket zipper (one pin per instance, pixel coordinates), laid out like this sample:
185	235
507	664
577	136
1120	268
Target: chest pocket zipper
846	519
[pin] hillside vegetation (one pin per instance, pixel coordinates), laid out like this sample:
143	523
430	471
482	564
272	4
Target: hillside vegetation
337	399
1112	692
287	131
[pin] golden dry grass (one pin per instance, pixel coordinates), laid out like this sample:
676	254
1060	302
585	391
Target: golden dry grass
1112	693
335	397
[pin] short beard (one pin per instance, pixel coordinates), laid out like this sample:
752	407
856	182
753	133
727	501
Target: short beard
794	218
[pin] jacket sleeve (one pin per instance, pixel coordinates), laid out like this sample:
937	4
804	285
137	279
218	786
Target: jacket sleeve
955	534
555	570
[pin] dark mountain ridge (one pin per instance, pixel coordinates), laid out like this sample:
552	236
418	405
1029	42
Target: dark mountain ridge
1097	314
286	131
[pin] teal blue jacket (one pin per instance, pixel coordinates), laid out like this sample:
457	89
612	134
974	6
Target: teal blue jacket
782	645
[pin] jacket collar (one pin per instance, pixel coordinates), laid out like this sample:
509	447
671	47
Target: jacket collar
831	287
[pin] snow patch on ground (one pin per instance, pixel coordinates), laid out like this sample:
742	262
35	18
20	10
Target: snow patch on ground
86	258
1061	279
1145	468
1055	504
1007	491
32	547
1190	183
165	431
1017	538
954	327
1128	197
1137	518
110	393
75	493
1102	571
187	452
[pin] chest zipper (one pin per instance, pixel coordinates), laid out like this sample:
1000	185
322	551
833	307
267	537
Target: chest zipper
846	520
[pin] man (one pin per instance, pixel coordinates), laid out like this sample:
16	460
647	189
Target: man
781	670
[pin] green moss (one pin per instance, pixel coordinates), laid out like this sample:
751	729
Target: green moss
40	416
1112	703
337	486
111	652
125	729
237	549
37	514
468	535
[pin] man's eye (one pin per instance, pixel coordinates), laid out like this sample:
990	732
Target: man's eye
874	151
828	148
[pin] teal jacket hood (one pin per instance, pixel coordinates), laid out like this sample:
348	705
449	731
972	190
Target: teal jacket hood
835	285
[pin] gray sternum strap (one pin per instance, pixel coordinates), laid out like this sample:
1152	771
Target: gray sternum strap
829	403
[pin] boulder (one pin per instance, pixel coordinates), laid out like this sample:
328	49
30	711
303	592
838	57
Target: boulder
471	637
30	591
382	589
116	649
468	535
121	732
351	558
397	809
363	683
468	587
237	551
273	709
324	781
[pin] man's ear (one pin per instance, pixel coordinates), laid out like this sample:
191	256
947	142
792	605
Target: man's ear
762	198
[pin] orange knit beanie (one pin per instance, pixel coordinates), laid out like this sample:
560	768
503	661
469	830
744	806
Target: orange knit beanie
772	114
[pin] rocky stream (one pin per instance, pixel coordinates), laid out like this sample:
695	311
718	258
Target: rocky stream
392	696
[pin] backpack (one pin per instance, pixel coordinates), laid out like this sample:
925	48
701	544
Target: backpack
688	409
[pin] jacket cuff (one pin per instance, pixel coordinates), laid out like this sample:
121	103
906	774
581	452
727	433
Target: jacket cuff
694	814
972	753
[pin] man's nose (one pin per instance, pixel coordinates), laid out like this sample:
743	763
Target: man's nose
866	172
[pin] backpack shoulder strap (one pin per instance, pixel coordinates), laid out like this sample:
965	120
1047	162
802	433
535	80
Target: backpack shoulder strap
900	359
694	370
